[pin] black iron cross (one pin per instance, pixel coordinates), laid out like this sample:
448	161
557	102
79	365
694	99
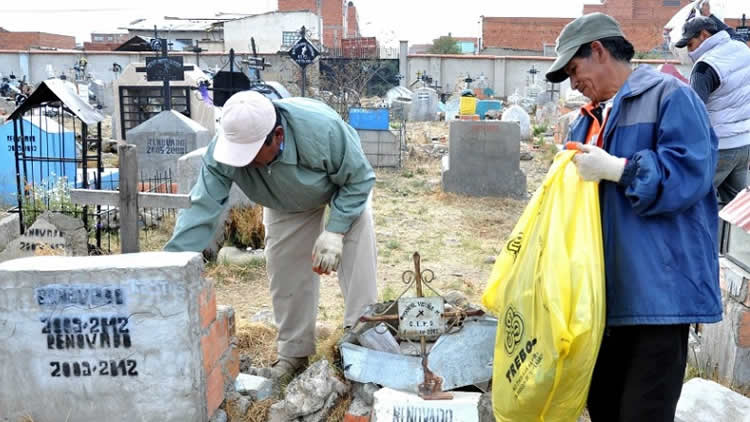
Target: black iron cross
164	68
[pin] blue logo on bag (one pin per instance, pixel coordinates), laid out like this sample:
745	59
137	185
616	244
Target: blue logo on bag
513	330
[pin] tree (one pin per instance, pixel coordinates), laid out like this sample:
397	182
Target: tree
445	45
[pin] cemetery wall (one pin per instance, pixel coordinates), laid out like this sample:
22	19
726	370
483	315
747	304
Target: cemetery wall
237	33
504	74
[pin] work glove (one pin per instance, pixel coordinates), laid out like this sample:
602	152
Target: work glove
595	164
327	252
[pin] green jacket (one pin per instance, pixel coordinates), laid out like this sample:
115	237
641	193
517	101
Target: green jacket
321	163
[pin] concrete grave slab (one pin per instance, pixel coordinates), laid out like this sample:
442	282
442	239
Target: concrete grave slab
9	229
484	159
706	401
381	147
53	230
112	338
163	139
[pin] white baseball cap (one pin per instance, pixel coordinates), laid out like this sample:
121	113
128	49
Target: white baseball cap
248	118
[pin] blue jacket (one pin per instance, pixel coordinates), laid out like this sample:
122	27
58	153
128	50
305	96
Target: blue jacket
660	222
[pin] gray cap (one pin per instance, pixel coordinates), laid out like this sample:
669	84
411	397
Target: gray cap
693	28
586	29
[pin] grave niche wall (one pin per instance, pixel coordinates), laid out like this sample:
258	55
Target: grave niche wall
133	337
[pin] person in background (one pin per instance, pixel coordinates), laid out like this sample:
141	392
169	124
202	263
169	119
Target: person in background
294	156
654	160
721	78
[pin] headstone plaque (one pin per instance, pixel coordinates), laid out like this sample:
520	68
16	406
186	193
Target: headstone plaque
168	68
110	338
63	234
483	159
163	139
421	316
424	105
303	52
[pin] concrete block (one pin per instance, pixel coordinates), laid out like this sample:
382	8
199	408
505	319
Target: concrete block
724	346
381	147
393	405
9	229
258	388
484	159
115	338
234	256
707	401
188	170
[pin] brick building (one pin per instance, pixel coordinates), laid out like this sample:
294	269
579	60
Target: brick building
27	40
642	22
340	19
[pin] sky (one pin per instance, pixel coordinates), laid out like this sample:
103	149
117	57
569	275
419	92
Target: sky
418	21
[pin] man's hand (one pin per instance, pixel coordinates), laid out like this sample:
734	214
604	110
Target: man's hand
327	252
595	164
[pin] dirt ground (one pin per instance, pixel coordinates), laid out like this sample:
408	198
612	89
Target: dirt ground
456	236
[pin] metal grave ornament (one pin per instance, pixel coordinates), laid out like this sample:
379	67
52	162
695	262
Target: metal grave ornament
303	52
423	318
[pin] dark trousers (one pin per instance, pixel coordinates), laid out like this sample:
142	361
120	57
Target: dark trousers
638	374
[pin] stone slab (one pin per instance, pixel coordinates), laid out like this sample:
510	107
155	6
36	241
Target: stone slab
424	105
397	406
163	139
484	159
59	232
706	401
258	388
106	338
381	147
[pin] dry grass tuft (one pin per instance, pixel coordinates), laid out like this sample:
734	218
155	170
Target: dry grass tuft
46	250
257	412
244	228
339	411
327	348
258	341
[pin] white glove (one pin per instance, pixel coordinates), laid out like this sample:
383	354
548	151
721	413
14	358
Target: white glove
595	164
327	252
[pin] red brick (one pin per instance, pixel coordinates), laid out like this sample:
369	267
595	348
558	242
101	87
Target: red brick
231	366
214	390
351	418
214	344
207	306
743	329
27	40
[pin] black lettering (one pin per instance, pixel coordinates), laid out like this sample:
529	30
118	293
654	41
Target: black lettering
113	368
91	340
94	325
104	340
76	324
66	369
103	367
115	340
86	369
126	340
55	369
123	328
80	340
512	370
70	341
59	341
522	354
131	368
76	369
46	327
50	341
66	326
122	368
517	362
119	297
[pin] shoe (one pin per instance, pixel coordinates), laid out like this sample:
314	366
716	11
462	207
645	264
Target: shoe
284	368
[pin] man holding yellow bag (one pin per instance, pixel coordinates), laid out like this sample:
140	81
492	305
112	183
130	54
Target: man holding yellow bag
654	160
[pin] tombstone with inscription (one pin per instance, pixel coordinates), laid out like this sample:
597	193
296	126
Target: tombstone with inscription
163	139
41	139
424	105
483	159
63	234
134	337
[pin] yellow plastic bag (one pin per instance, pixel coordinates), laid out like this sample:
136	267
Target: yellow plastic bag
547	291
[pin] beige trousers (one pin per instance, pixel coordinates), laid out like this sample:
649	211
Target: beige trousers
295	288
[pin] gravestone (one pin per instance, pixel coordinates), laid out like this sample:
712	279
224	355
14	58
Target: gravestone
42	137
381	147
112	338
63	234
163	139
484	159
424	105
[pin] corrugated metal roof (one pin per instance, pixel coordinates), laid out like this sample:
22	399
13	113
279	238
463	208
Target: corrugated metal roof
737	212
53	90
